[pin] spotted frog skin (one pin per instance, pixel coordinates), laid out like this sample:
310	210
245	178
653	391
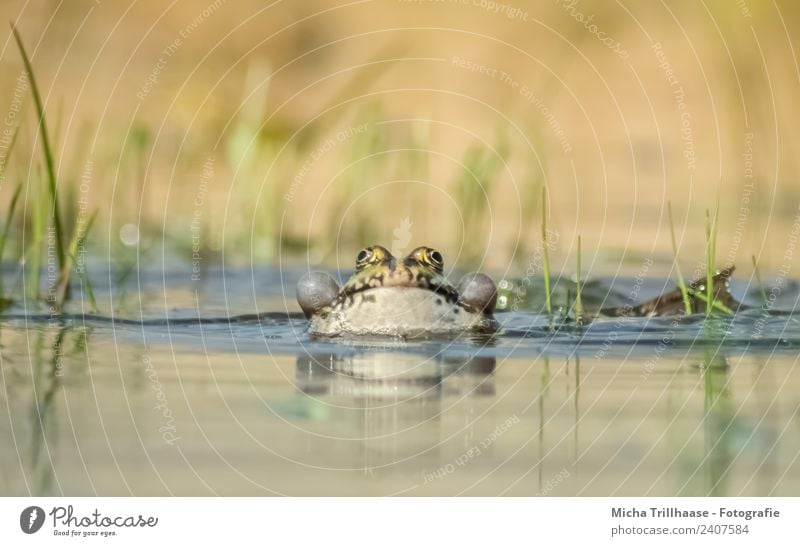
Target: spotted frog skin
406	297
672	303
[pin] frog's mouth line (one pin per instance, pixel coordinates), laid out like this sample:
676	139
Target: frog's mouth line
421	283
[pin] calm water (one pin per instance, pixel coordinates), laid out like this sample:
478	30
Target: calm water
621	407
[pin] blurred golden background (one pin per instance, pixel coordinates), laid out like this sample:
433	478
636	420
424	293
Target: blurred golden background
299	131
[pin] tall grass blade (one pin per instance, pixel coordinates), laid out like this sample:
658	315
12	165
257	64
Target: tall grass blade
576	425
78	239
46	150
687	303
715	303
758	279
33	252
711	253
545	255
87	283
12	206
6	229
578	301
4	164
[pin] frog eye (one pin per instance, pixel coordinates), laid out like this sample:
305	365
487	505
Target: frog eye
363	257
434	257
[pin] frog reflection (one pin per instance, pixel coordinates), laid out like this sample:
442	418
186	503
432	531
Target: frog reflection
391	404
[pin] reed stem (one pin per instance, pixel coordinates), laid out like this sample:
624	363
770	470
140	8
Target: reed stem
687	303
46	150
547	294
578	301
758	279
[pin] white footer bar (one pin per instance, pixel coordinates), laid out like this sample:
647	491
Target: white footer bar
401	521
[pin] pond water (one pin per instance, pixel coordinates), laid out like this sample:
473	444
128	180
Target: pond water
617	407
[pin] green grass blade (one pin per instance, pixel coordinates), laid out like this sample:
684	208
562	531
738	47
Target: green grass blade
578	301
78	238
46	150
687	304
33	252
709	264
711	253
545	256
87	283
758	279
12	205
4	164
715	304
9	218
7	228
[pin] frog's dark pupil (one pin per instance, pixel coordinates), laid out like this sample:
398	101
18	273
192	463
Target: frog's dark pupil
363	255
436	257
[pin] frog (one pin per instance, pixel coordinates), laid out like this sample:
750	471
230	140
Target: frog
513	295
398	297
672	302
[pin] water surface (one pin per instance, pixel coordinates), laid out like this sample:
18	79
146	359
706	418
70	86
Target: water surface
619	407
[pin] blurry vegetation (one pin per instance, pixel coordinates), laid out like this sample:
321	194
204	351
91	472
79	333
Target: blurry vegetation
482	166
46	230
322	145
